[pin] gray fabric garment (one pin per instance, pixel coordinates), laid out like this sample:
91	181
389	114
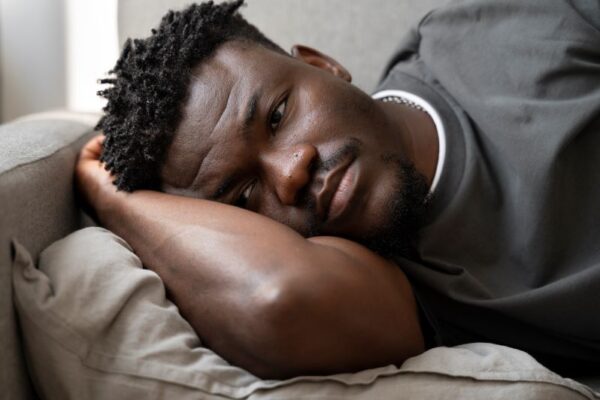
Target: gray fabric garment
511	253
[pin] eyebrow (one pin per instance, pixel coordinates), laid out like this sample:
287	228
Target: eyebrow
250	114
249	117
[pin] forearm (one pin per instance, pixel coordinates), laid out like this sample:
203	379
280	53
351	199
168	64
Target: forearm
264	297
173	233
220	264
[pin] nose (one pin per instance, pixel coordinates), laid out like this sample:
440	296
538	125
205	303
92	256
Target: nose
288	170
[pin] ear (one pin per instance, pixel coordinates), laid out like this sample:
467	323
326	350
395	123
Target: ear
320	60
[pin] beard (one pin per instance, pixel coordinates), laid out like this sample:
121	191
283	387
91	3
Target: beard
408	204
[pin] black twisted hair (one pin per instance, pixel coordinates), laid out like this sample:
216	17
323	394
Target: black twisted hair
149	84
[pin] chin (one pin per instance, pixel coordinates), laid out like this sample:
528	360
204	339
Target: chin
389	242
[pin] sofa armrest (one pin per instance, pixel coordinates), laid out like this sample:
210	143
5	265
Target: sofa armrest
37	206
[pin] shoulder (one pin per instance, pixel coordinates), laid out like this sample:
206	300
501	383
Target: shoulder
513	17
482	48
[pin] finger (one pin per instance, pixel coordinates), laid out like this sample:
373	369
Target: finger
93	148
100	139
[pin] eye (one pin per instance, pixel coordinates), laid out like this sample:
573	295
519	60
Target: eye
277	115
242	201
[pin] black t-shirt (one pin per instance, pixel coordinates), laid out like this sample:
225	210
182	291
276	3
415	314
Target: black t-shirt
511	251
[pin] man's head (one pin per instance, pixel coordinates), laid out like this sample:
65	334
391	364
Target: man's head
150	82
237	120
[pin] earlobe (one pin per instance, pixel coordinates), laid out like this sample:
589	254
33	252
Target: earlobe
316	58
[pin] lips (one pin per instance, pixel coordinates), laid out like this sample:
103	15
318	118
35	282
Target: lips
343	193
337	189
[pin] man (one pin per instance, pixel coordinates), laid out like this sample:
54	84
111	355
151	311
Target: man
287	198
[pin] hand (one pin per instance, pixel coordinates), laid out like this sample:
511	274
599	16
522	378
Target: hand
94	183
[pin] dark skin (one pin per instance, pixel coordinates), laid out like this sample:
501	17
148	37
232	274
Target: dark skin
253	286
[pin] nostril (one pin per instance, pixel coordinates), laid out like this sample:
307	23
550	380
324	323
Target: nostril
313	166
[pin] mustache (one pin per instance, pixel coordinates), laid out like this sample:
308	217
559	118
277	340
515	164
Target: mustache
306	199
350	149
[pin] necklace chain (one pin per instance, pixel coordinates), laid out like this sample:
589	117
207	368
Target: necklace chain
403	101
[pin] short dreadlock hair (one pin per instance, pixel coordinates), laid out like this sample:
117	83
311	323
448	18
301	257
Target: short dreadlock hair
149	84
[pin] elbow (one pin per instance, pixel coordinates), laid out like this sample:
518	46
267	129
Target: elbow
276	332
306	327
269	334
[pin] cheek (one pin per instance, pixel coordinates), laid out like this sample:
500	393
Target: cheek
346	112
324	109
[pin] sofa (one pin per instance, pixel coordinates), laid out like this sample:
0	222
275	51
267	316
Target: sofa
38	204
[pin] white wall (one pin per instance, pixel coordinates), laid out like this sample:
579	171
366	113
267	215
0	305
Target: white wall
52	52
32	56
92	49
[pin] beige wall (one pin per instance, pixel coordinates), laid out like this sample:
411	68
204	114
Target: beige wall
52	53
32	56
92	49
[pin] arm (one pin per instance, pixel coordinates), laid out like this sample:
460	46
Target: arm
257	292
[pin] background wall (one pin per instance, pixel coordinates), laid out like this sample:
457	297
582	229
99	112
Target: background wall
92	49
52	52
32	52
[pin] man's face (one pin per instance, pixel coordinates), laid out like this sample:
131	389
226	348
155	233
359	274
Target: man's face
293	141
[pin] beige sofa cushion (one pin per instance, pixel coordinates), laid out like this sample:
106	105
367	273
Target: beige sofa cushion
97	325
37	206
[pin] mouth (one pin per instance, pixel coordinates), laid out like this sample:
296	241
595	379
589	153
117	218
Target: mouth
337	191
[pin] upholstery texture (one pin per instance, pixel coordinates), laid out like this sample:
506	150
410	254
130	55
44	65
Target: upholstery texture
37	207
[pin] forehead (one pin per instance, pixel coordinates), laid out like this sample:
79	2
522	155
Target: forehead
218	91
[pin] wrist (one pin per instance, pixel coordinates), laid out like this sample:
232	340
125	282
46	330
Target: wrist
107	203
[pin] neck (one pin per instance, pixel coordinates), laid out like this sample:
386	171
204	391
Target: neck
417	135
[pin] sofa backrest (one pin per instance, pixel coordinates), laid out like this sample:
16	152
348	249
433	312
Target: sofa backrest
360	34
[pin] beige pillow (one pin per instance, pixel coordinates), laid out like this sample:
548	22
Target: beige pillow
96	325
